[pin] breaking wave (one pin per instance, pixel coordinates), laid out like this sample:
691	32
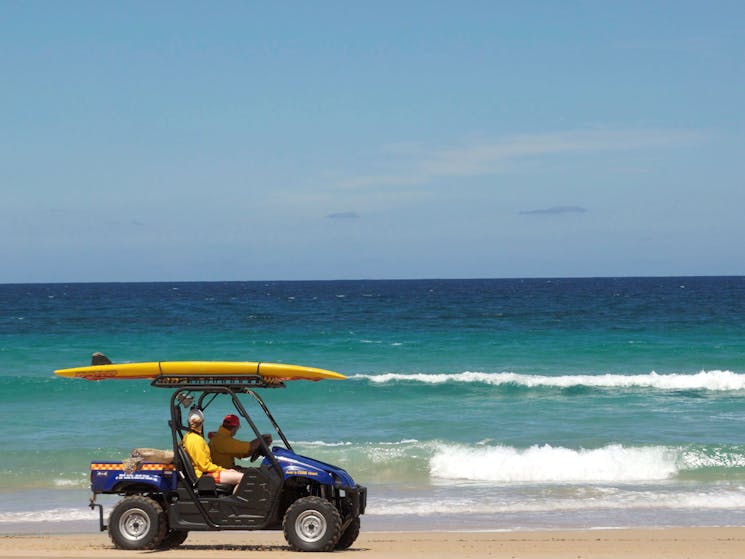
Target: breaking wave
493	464
613	463
704	380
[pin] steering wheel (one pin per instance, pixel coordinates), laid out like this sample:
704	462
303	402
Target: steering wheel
256	453
260	449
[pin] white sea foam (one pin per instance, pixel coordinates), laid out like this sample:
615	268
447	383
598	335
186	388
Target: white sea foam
704	380
694	459
406	442
616	500
322	443
51	515
64	483
538	464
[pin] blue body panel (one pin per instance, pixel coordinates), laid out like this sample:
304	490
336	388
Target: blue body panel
111	477
295	465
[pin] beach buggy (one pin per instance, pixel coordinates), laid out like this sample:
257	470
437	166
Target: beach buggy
317	505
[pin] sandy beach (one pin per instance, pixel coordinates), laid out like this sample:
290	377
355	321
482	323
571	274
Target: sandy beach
667	543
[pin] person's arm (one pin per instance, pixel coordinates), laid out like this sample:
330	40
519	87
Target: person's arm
236	447
244	449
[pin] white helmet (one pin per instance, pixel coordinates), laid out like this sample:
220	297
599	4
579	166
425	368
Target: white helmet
195	416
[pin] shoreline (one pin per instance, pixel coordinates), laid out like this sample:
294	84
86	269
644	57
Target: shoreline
636	543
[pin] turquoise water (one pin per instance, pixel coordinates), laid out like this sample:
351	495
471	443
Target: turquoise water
499	404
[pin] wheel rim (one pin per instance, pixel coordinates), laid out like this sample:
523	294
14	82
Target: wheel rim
310	526
134	524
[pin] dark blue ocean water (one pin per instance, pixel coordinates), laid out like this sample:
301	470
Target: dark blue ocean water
470	403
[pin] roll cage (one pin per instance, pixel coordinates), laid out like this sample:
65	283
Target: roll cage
207	389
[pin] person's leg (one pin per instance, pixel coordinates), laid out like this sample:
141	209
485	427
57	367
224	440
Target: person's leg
231	477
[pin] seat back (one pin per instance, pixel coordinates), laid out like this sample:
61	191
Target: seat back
185	466
203	484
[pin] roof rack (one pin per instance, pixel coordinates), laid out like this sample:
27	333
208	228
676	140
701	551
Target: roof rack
228	381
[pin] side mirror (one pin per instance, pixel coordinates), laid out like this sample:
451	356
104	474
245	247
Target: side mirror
185	400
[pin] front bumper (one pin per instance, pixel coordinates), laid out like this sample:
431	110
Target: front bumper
358	497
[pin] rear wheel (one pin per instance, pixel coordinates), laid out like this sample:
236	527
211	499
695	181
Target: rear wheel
137	522
312	524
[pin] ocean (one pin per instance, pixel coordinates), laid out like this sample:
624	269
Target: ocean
485	404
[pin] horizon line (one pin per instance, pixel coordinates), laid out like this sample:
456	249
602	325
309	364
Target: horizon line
339	280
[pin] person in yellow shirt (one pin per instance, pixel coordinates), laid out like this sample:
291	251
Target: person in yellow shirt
225	448
197	449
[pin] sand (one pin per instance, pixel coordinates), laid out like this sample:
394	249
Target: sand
667	543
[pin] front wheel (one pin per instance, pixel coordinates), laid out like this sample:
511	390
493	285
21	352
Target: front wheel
174	538
136	523
349	535
312	524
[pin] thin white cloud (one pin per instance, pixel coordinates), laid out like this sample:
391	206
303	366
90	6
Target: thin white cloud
556	210
418	164
684	44
343	215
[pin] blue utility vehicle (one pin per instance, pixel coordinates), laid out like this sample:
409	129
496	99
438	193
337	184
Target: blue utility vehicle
317	505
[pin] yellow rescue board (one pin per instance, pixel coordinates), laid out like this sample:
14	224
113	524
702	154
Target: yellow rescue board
155	369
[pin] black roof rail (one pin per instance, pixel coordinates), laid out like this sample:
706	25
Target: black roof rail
227	381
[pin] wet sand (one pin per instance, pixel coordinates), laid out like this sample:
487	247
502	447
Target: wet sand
664	543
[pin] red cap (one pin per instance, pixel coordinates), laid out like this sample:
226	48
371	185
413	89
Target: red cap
231	421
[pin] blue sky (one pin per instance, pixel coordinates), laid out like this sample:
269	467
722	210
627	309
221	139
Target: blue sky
340	140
